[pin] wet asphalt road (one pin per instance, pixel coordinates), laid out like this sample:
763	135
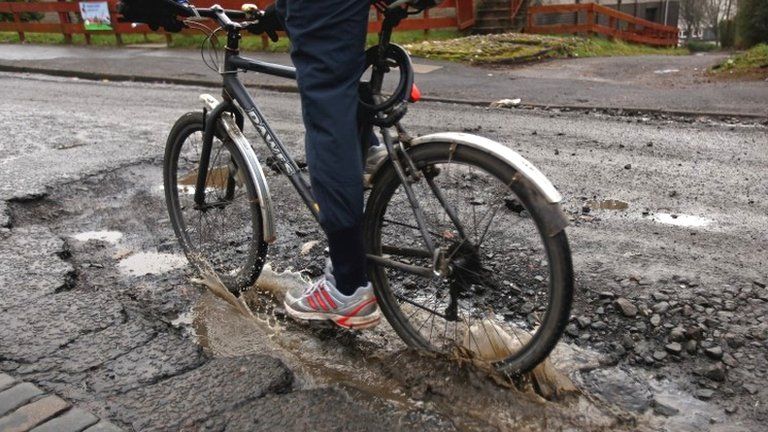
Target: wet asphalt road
667	83
81	137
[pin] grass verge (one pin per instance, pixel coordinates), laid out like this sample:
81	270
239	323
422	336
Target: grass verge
248	43
510	48
747	64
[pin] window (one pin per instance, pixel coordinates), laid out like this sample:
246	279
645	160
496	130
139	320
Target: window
651	13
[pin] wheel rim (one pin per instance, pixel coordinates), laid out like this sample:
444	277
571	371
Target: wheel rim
493	303
220	233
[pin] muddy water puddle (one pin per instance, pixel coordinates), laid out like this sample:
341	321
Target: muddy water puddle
681	220
674	219
377	364
111	237
131	263
145	263
607	204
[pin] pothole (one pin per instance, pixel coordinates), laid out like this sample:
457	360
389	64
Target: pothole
375	362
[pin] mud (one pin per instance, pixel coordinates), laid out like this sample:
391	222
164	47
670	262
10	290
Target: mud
373	368
689	334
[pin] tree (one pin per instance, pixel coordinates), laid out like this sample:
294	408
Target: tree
713	10
692	15
752	22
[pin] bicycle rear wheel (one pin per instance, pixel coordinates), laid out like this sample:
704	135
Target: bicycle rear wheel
224	233
507	293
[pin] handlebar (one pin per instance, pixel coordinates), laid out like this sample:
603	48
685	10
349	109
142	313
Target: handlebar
223	16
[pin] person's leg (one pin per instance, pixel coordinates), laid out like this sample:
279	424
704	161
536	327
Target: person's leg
328	45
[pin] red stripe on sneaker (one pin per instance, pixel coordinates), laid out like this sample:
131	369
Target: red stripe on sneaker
312	303
365	324
343	321
320	301
328	299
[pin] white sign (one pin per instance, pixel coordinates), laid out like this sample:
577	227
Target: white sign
95	15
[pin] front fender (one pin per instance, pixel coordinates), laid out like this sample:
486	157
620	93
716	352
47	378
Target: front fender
229	124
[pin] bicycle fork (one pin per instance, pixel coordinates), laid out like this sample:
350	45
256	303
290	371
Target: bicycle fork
231	120
400	161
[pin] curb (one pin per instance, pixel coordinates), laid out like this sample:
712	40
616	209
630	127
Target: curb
95	76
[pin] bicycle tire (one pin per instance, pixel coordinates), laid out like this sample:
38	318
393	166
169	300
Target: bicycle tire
560	290
246	268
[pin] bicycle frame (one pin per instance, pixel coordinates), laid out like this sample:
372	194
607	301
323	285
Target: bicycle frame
237	98
235	91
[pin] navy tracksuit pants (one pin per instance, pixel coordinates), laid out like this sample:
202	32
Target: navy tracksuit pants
328	47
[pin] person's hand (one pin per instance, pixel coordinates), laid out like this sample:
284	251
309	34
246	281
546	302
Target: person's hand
268	22
155	14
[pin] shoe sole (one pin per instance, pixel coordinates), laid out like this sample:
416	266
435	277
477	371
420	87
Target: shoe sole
353	323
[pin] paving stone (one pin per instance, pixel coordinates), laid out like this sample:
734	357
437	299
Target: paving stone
6	381
218	386
103	426
30	267
17	396
74	420
31	415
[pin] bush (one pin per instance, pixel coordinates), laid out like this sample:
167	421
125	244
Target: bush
751	63
25	16
700	46
752	23
727	33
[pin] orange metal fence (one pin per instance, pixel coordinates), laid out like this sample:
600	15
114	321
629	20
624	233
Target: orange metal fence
590	18
458	14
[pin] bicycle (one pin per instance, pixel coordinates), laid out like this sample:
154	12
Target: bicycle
458	228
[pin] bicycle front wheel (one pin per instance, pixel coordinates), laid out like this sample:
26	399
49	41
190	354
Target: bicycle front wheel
224	233
506	291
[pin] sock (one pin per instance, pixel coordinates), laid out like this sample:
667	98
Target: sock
347	252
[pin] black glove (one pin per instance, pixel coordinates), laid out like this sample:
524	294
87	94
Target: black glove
155	13
270	23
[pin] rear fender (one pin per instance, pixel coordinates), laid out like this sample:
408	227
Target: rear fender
546	200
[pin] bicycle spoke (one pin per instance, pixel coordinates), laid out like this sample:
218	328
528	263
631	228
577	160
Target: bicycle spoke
405	252
488	252
221	232
402	224
418	271
449	210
